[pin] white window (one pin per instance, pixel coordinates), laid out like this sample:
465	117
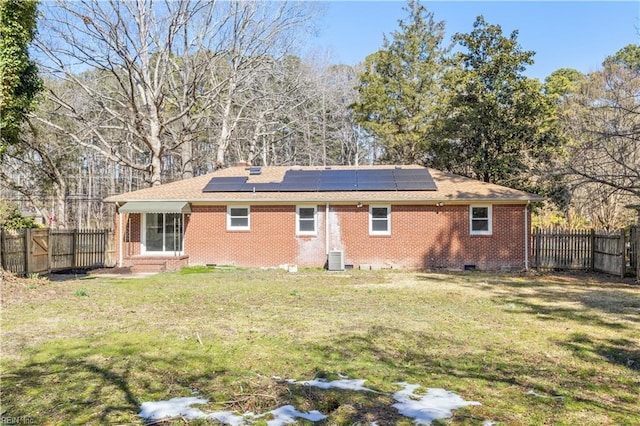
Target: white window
306	220
480	220
162	233
379	220
238	218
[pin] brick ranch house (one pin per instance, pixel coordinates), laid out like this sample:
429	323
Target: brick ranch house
363	217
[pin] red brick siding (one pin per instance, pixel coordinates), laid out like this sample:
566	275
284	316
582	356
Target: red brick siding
271	240
130	235
435	237
421	237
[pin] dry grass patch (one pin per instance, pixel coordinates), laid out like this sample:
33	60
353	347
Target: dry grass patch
532	349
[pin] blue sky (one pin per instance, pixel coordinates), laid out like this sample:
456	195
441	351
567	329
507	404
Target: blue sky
563	34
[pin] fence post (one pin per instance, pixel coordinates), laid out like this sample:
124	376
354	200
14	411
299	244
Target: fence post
73	248
27	252
2	248
621	247
592	250
105	246
537	255
50	250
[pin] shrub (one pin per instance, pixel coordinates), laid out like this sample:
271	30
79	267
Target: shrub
11	218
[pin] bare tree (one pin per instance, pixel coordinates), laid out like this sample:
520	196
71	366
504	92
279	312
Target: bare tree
259	33
602	122
37	168
164	69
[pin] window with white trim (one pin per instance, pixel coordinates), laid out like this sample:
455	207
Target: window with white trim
162	233
480	219
306	220
379	220
238	218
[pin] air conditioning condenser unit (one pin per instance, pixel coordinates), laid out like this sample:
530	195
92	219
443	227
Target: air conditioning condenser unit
335	261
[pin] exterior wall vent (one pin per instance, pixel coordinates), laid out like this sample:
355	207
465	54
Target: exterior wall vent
335	261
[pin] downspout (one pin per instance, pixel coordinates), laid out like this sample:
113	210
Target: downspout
119	235
526	236
326	229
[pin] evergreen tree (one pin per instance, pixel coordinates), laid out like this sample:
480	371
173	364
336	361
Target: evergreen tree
19	75
499	122
629	56
563	82
400	87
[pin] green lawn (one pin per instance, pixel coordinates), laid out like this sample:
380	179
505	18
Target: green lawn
93	350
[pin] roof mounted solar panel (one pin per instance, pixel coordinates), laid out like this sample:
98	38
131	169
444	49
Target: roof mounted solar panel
338	176
374	175
337	186
255	170
377	186
261	187
411	174
414	180
306	179
327	180
225	184
302	174
299	186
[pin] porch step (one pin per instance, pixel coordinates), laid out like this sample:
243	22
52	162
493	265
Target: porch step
149	265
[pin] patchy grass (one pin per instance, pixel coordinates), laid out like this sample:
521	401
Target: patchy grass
226	334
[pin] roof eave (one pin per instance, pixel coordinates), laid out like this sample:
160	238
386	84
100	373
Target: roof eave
492	200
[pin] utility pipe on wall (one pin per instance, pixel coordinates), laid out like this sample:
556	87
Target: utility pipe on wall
119	235
526	236
326	229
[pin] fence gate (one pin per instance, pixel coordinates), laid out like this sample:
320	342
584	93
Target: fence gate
609	253
37	251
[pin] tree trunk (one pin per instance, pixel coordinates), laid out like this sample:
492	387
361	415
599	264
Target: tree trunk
225	127
59	212
186	156
156	148
155	171
255	138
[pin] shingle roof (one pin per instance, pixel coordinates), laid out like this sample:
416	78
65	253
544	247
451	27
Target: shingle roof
450	188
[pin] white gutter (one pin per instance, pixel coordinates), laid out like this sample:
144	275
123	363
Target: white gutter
313	197
526	236
326	228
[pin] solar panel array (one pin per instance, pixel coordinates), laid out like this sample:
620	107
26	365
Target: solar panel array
332	180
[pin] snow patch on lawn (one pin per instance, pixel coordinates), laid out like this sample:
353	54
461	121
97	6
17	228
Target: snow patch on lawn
288	414
344	384
423	409
181	407
435	404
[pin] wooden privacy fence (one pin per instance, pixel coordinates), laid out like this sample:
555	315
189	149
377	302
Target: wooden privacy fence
634	250
30	251
610	252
